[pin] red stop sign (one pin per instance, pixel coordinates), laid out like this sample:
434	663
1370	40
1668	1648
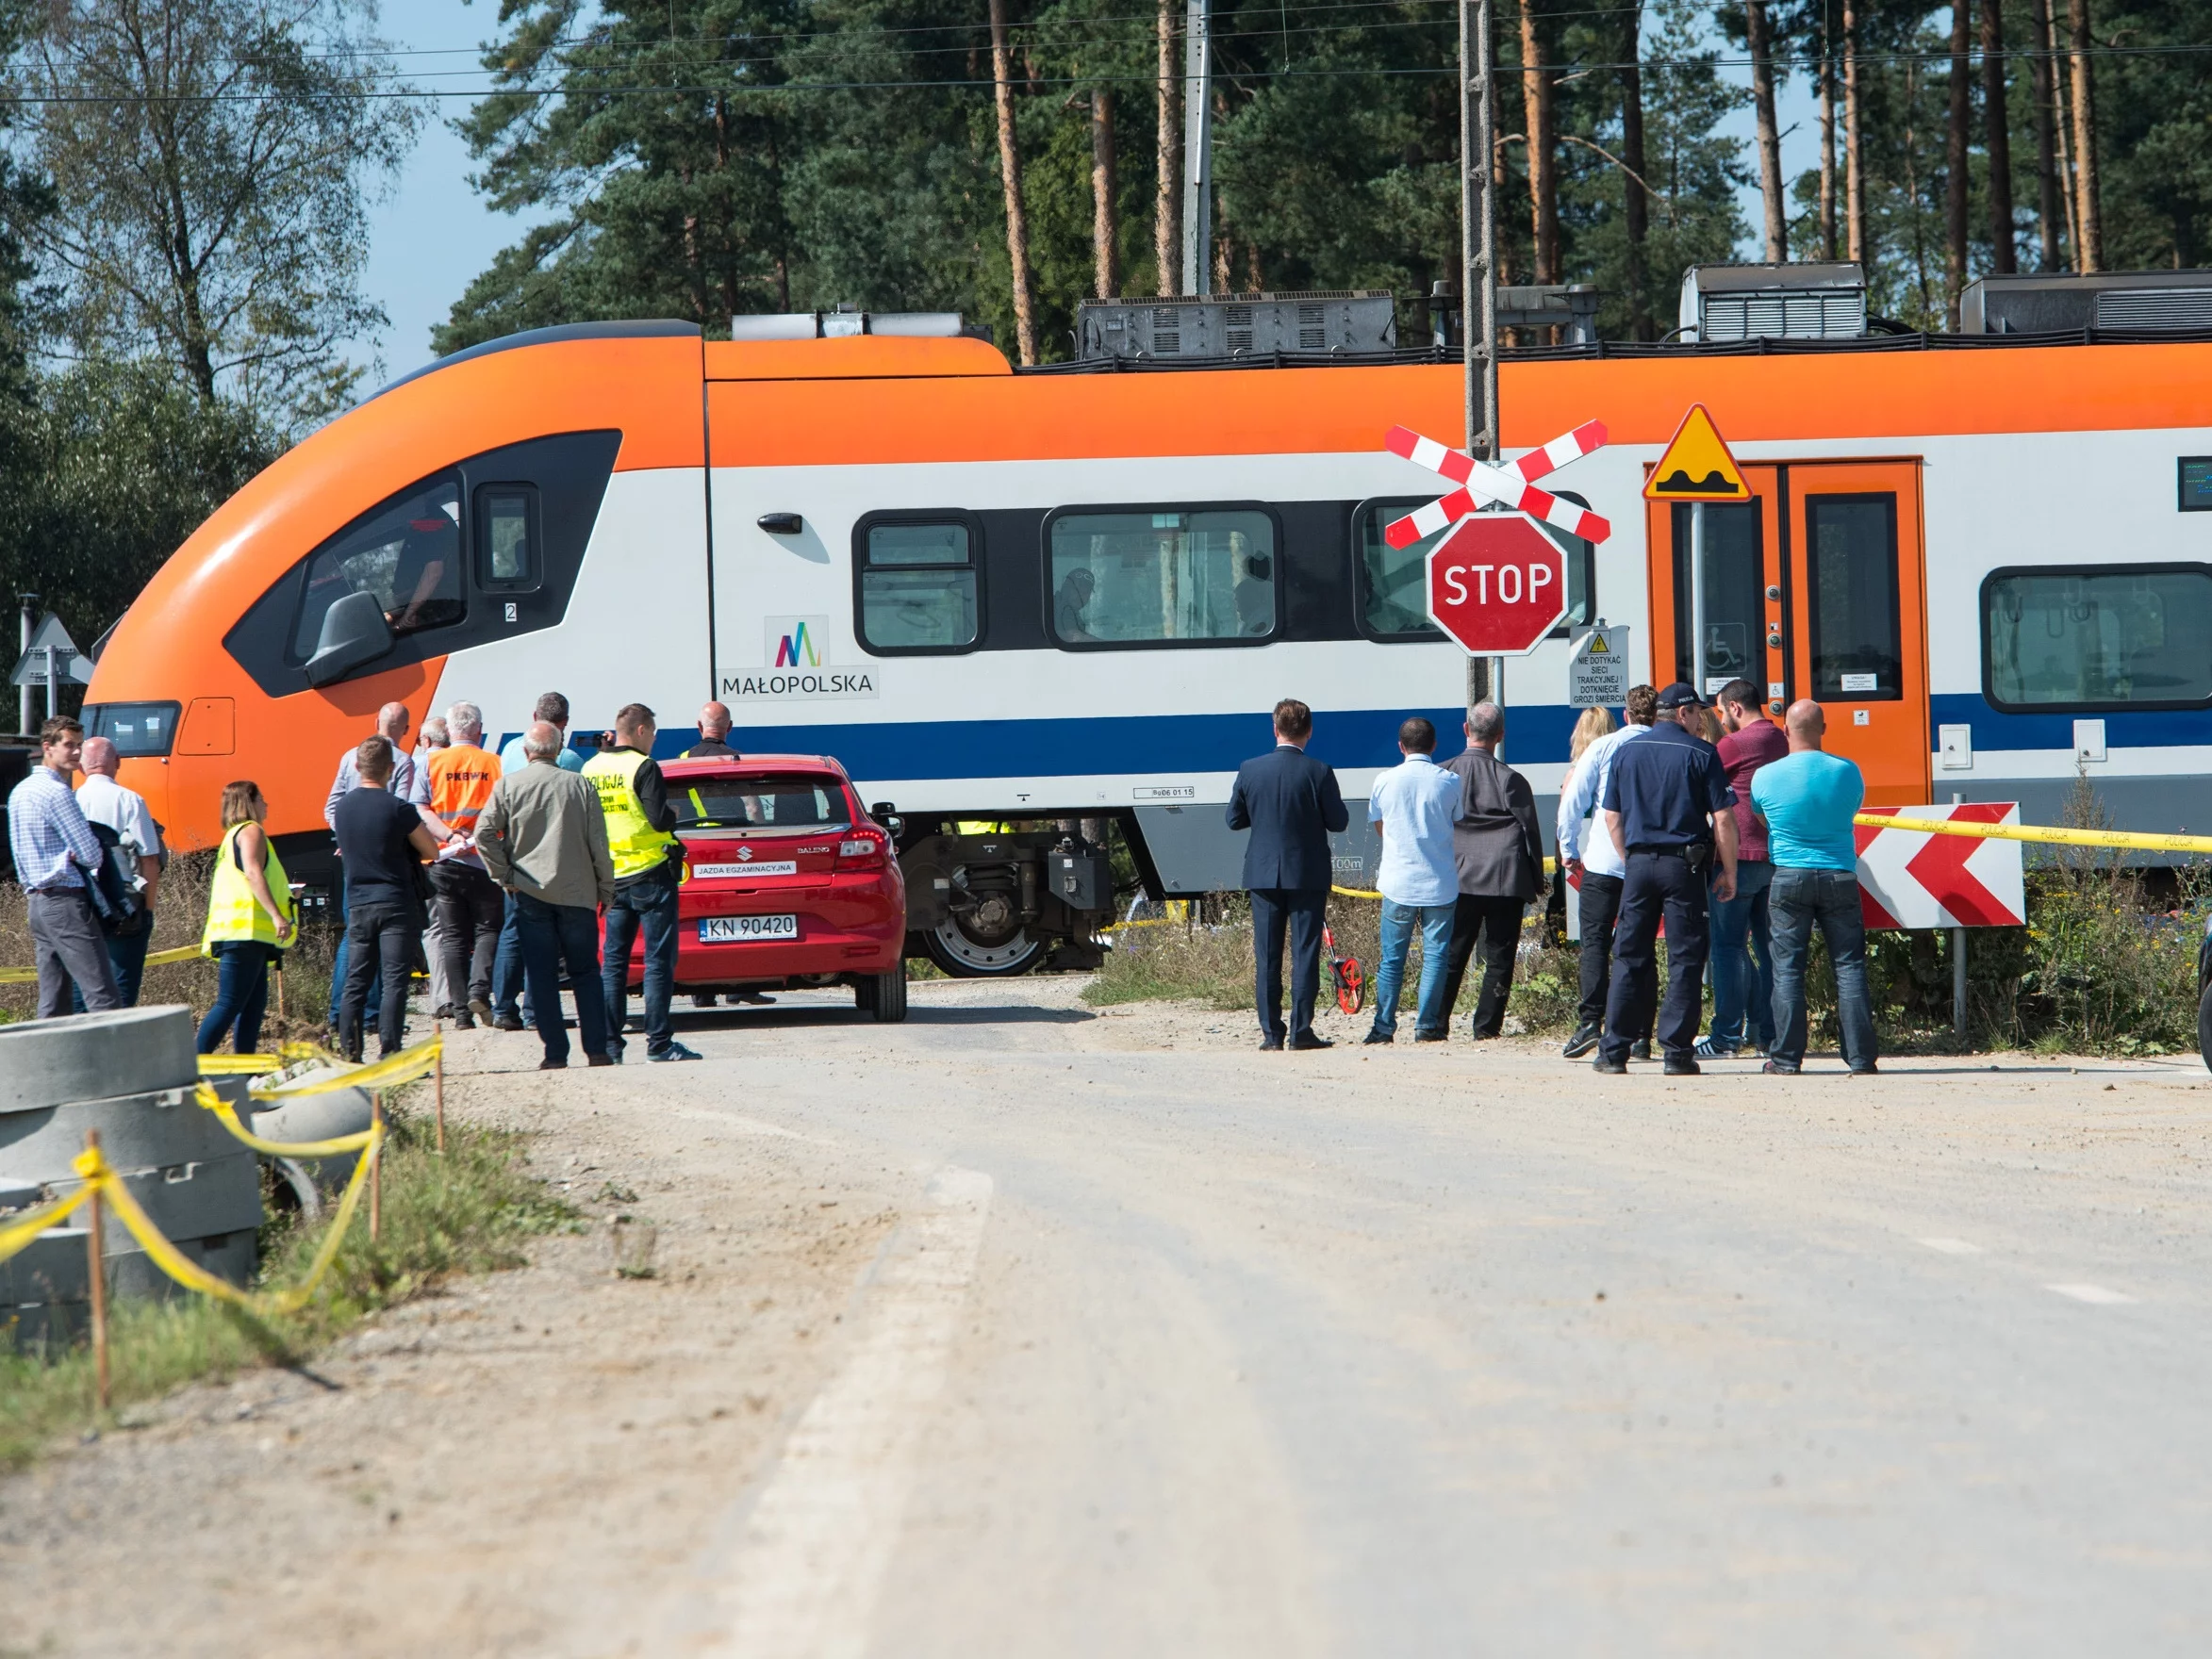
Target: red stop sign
1498	585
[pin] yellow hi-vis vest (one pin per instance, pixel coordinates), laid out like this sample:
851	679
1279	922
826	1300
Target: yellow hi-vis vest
635	845
233	911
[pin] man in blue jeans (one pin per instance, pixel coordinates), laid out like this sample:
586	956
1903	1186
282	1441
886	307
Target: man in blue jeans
1413	806
641	823
1742	942
1807	800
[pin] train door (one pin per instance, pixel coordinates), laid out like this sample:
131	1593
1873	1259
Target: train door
1820	584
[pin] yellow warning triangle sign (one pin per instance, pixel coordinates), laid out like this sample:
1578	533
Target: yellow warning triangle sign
1596	646
1697	466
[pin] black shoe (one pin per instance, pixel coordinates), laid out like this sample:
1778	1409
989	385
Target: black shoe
1308	1041
1679	1066
1270	1045
1432	1036
704	999
1773	1069
597	1060
464	1021
506	1023
1379	1037
1640	1049
1617	1068
1584	1040
553	1065
1866	1072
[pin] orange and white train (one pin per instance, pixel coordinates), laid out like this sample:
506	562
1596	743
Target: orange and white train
1004	596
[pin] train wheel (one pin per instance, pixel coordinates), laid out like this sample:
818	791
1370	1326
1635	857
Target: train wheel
982	950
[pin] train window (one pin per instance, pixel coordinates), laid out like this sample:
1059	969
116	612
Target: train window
1393	582
137	730
1735	595
1170	576
916	580
1858	638
2196	484
506	538
407	553
2109	637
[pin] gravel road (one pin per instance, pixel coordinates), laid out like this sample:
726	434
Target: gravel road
1026	1328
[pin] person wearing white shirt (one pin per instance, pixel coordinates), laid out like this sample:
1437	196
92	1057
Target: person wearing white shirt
1413	806
103	800
1588	857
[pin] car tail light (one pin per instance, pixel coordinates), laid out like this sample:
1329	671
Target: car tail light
862	852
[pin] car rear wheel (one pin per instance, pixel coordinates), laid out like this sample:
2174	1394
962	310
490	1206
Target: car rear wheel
982	950
884	995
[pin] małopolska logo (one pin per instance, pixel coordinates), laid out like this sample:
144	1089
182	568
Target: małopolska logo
795	650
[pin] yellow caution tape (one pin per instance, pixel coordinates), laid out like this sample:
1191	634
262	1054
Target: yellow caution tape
160	958
403	1067
335	1147
234	1065
2038	832
1355	893
100	1176
17	1234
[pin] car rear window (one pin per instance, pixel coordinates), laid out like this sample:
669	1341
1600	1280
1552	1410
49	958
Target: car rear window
758	803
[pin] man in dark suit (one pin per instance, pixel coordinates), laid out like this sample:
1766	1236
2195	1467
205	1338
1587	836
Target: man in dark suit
1290	804
1500	853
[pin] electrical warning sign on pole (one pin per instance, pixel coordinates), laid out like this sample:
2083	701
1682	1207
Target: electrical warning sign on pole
1598	670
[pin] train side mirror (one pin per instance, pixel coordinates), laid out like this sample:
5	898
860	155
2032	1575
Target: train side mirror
353	633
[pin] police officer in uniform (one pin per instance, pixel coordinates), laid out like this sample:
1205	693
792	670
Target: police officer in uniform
648	859
1668	808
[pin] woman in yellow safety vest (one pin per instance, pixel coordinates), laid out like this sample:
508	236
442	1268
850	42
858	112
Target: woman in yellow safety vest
249	920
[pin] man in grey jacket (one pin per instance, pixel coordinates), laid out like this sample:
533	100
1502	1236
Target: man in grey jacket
1500	854
543	838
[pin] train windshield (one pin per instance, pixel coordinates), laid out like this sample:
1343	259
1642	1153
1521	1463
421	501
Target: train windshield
407	553
1131	578
758	805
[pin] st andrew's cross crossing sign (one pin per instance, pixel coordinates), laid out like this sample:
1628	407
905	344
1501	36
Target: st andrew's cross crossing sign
1498	585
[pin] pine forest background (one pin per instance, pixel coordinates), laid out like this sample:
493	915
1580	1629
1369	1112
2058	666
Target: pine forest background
183	183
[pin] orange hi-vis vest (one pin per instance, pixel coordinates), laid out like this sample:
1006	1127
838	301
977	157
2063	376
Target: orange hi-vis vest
461	777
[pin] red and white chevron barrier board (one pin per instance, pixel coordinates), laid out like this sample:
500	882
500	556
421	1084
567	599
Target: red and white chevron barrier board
1908	880
1514	484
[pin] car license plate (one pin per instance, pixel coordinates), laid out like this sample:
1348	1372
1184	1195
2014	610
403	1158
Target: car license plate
736	930
738	872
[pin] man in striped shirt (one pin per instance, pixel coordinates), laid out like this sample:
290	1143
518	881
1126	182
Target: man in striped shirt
56	854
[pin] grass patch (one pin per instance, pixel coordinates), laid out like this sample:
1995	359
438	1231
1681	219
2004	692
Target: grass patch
470	1210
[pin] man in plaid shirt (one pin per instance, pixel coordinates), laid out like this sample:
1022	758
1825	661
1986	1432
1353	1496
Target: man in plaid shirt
55	853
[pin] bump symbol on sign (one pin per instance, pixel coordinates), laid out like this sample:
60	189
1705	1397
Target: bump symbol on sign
1697	466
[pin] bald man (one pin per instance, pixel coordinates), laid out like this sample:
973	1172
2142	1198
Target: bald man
1807	800
108	805
714	732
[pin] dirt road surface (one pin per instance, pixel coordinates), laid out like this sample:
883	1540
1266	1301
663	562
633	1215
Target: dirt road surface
1026	1328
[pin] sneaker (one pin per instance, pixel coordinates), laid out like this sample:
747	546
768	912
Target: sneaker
615	1048
478	1007
1708	1049
673	1051
1379	1037
1640	1049
1774	1070
1678	1065
506	1023
759	998
1584	1040
1616	1068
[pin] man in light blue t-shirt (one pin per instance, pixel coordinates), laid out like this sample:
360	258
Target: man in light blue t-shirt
553	708
1807	800
1413	806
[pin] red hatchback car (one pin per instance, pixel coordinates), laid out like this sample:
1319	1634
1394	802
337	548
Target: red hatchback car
787	884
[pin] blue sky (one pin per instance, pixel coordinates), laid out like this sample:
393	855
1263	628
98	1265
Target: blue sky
435	233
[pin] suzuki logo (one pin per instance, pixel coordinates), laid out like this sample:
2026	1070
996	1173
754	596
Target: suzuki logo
745	853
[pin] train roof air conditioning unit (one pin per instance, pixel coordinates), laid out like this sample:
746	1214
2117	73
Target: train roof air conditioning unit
2120	301
845	321
1811	302
1171	329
